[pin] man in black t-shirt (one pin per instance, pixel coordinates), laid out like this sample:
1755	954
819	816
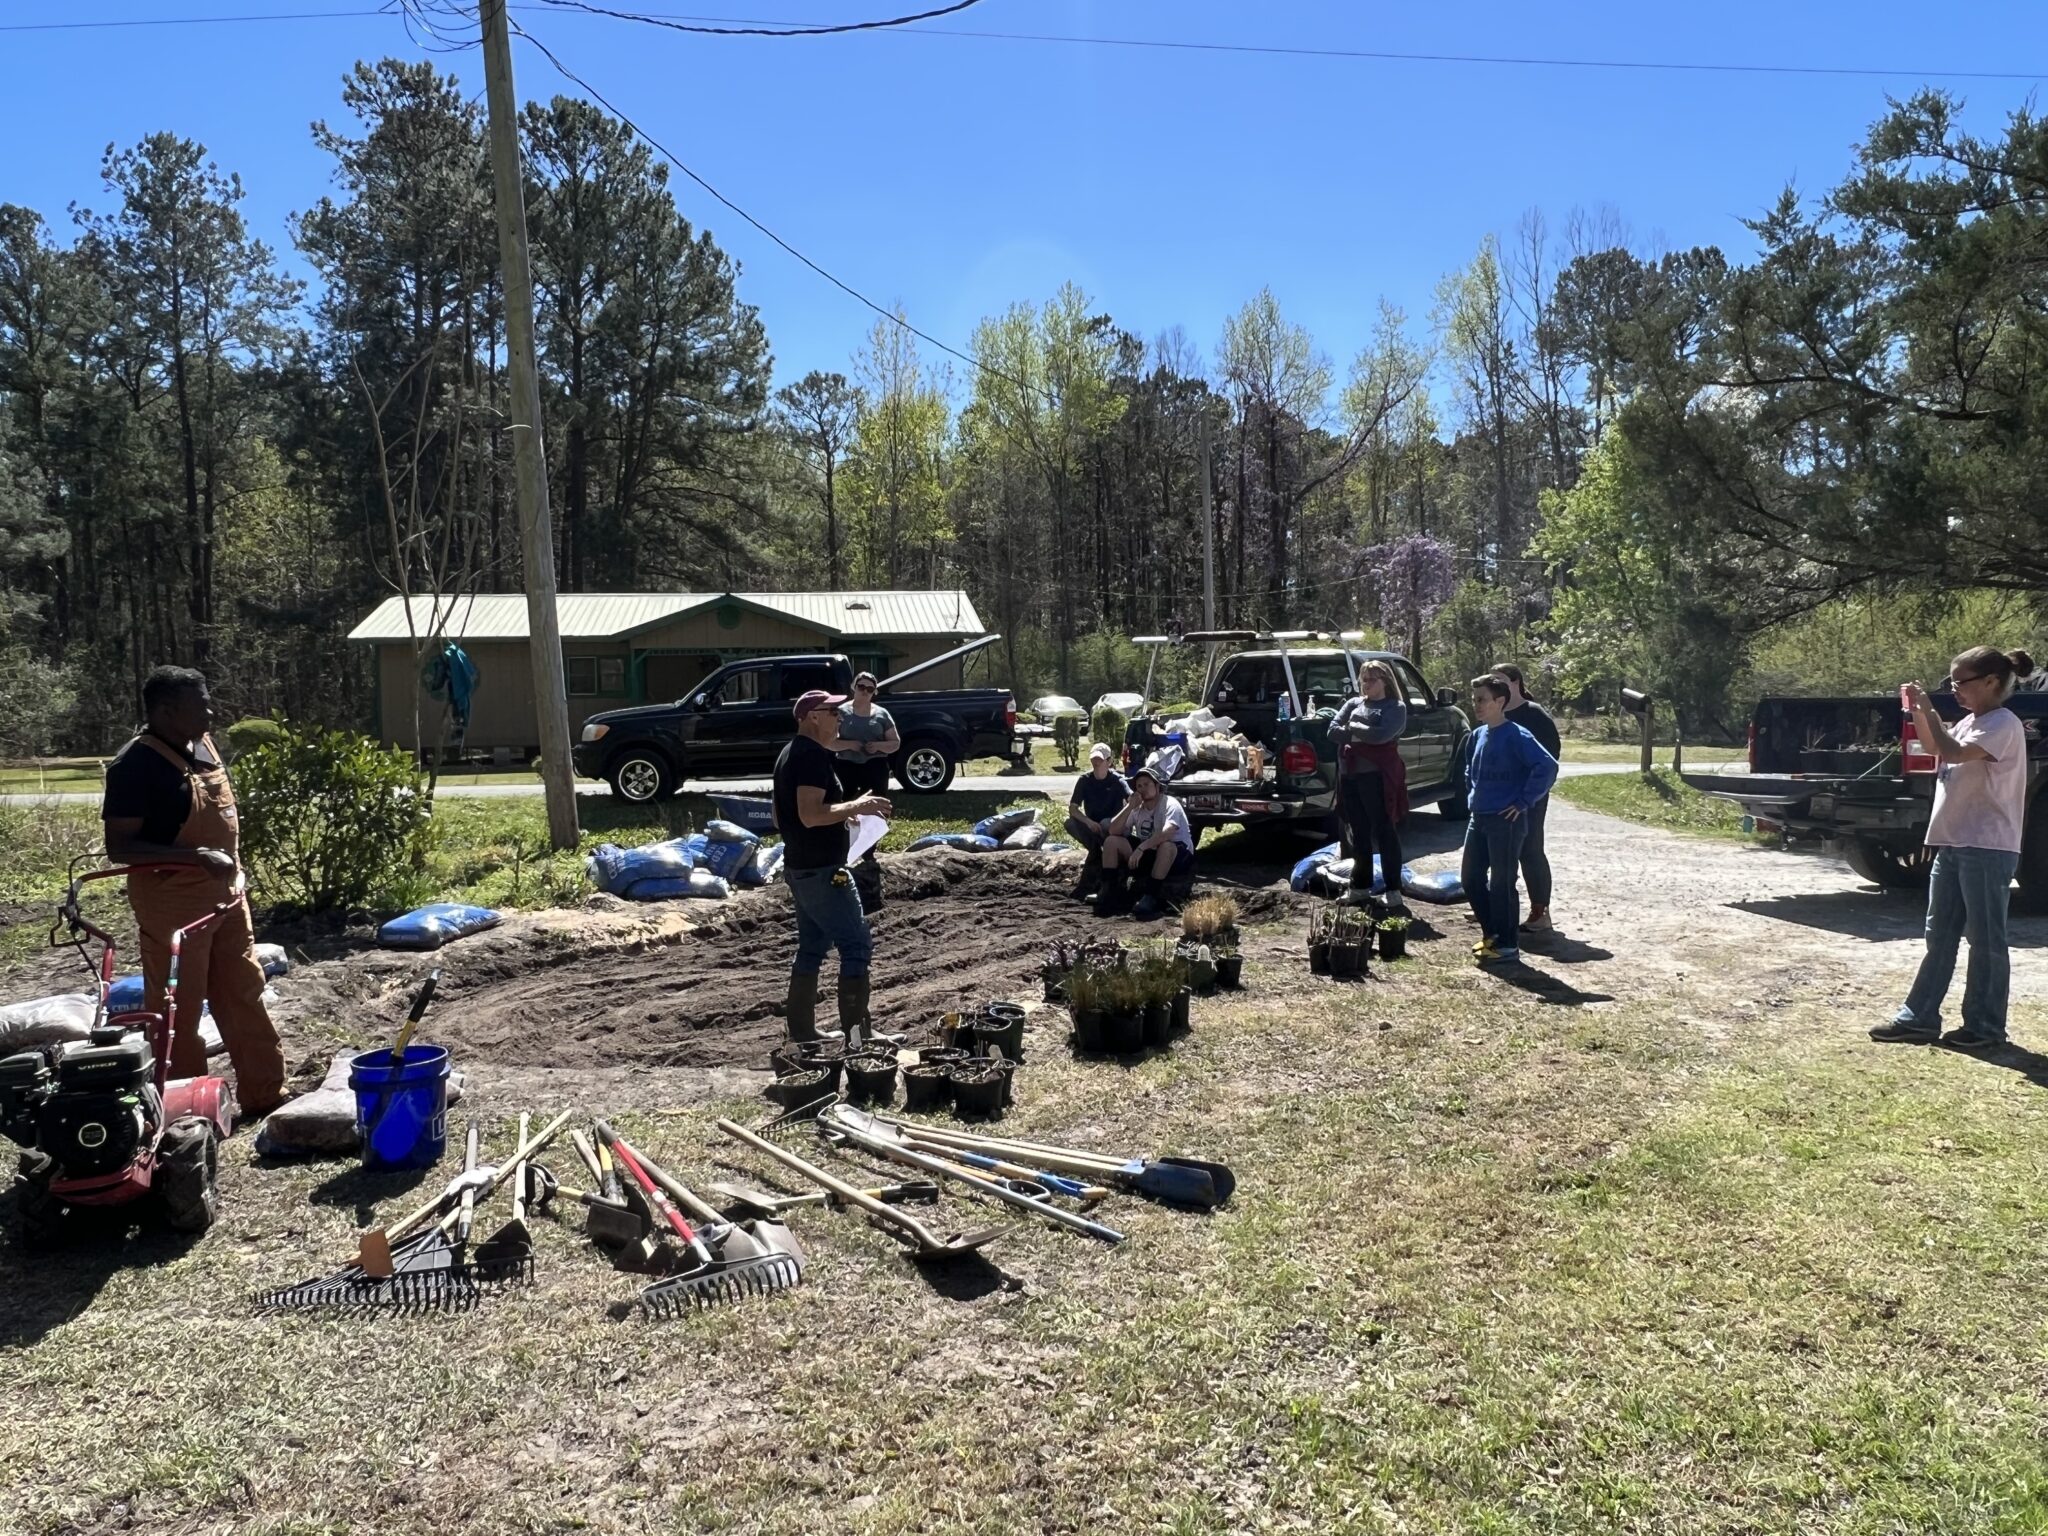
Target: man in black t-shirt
1535	719
815	843
1099	795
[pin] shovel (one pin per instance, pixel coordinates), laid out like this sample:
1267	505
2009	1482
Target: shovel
508	1252
762	1203
865	1131
1176	1180
928	1244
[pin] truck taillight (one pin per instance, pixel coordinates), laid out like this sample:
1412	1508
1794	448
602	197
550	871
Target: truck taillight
1298	759
1914	754
1752	746
1009	712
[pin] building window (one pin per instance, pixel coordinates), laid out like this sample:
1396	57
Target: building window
595	676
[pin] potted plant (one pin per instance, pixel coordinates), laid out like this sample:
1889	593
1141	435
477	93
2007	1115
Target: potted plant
1201	964
1181	1010
1350	942
1123	1026
1393	937
1001	1025
1211	920
1161	976
978	1087
928	1084
871	1076
1229	965
1322	928
1087	1004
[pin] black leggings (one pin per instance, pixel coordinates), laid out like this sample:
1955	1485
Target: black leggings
868	778
1366	823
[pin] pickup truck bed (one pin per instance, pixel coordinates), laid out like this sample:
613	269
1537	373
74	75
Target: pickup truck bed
1832	775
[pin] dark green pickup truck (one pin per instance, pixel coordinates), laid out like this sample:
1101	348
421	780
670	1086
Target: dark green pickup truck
1281	693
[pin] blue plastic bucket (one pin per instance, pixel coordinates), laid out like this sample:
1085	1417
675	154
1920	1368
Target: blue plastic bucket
401	1108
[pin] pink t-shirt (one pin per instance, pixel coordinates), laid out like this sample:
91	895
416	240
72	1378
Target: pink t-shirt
1982	803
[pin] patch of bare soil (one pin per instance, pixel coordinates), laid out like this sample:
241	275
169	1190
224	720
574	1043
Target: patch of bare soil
698	984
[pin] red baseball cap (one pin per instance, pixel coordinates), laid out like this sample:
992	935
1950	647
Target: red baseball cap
817	698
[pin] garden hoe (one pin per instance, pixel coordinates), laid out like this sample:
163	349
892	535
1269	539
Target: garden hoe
710	1278
507	1254
927	1244
611	1224
872	1135
425	1271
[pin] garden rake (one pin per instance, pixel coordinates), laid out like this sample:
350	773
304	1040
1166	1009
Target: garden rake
427	1271
724	1263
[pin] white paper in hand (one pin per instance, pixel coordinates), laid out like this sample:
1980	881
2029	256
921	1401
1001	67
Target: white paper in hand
867	831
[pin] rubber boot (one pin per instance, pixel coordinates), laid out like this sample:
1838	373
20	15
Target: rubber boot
853	1009
802	1008
1091	878
1151	898
1109	901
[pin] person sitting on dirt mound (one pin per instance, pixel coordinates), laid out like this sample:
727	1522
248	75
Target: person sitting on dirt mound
815	840
1152	824
1099	795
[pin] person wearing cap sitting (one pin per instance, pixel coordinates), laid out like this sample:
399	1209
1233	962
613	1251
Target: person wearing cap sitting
816	842
1099	795
1152	830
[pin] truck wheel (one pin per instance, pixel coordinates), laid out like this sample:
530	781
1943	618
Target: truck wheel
2033	892
188	1174
1885	866
1453	807
925	768
642	776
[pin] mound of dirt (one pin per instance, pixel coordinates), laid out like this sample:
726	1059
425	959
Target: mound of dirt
954	929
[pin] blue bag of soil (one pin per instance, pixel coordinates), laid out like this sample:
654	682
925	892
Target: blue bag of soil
431	926
698	882
766	867
729	832
973	842
1298	881
1334	878
618	870
727	857
1003	823
1444	887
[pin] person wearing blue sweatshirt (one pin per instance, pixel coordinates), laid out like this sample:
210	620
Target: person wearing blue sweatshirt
1506	772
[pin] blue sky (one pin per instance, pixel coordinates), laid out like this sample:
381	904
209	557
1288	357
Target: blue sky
959	175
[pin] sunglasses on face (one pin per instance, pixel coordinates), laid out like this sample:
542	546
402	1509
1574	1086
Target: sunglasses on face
1957	682
863	687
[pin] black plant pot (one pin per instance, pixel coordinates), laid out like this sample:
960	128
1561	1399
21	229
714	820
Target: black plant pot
795	1088
977	1089
1180	1008
1004	1031
1349	958
1056	988
1229	970
928	1085
1158	1022
1319	957
1007	1081
1123	1034
871	1079
1088	1027
1393	943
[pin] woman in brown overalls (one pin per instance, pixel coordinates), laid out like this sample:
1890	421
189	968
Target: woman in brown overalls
168	801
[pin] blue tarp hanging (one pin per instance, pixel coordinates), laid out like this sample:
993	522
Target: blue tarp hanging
452	679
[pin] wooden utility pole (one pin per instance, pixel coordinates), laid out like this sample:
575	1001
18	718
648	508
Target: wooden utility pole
1208	541
536	530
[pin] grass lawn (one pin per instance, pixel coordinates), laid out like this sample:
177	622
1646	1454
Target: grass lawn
1493	1267
1656	799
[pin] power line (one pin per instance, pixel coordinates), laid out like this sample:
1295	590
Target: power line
184	21
836	281
1370	55
779	29
742	26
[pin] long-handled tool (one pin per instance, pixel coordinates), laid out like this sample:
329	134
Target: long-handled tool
760	1256
613	1224
714	1278
424	1271
866	1132
1056	1183
1176	1180
508	1252
928	1245
762	1203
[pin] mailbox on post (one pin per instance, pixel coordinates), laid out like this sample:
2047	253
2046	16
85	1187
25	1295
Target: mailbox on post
1641	705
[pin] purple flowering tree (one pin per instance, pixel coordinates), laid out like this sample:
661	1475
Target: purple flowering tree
1410	578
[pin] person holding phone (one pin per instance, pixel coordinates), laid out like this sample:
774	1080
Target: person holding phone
1980	805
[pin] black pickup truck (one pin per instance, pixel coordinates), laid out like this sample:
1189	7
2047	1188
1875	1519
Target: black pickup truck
1849	776
1297	780
738	721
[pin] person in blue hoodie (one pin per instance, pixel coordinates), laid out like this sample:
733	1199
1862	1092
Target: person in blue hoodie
1506	772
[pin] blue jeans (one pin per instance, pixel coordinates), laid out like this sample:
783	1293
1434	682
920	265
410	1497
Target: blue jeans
1493	848
828	917
1968	892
